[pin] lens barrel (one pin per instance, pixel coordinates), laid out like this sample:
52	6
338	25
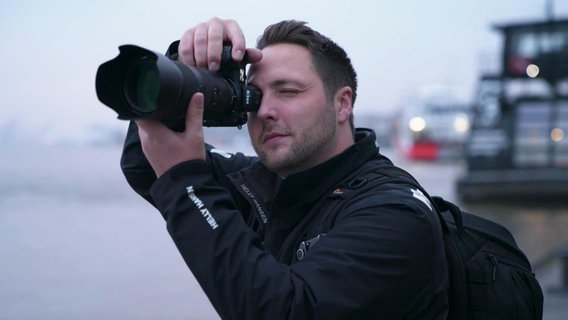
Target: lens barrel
141	83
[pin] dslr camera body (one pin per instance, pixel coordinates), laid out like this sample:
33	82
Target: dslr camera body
140	83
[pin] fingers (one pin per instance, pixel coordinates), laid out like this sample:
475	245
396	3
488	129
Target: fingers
148	128
234	35
201	46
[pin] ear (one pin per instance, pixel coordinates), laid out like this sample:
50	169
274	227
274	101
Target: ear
343	107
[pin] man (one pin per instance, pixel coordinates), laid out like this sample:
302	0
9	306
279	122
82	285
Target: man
239	221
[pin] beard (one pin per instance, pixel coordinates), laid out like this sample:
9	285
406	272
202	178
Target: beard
308	144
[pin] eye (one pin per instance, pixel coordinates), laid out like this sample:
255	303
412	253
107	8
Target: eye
288	92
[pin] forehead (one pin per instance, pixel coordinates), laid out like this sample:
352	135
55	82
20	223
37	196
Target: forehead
283	58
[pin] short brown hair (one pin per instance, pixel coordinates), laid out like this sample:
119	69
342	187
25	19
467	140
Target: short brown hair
330	60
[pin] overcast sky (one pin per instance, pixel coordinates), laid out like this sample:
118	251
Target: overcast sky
50	50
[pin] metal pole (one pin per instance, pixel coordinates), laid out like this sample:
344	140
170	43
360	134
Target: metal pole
549	9
564	270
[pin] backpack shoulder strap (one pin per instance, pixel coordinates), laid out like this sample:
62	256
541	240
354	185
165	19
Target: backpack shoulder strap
398	175
326	209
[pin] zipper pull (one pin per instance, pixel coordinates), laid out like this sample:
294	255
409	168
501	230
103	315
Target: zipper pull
306	245
494	263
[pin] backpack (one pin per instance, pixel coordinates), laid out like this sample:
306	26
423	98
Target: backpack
489	276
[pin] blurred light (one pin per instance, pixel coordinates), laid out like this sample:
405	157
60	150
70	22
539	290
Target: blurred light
461	123
557	134
532	70
417	124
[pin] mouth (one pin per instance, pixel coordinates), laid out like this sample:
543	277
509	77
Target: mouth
273	137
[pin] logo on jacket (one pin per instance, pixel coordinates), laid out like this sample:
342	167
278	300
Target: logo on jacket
201	207
420	196
222	153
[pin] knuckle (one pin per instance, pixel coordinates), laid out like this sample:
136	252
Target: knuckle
216	20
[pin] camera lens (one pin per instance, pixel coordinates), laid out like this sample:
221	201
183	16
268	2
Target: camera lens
142	87
141	83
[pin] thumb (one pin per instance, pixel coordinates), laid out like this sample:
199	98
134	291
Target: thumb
254	55
194	118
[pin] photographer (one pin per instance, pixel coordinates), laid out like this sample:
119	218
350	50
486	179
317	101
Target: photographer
241	222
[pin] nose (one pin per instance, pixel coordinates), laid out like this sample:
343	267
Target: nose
267	109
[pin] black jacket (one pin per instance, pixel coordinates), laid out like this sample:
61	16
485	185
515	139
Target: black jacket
238	227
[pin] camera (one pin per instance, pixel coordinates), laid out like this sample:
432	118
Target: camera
141	83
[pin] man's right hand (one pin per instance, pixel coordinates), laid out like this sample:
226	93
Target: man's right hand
165	148
201	46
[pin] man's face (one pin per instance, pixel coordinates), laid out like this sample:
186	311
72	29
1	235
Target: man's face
295	126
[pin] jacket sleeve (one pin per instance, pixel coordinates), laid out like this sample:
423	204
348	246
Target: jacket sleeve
383	262
135	167
140	175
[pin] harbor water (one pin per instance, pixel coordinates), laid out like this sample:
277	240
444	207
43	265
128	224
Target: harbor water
77	243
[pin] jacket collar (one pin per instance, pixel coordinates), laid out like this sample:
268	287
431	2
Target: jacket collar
288	198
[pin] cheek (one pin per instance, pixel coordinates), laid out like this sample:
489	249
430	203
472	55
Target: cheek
253	125
313	109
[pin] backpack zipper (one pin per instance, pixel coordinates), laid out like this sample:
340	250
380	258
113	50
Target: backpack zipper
495	261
